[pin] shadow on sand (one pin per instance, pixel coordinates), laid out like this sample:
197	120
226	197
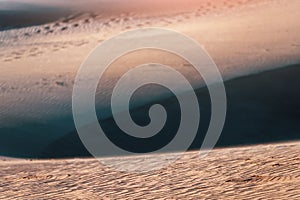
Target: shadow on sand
262	108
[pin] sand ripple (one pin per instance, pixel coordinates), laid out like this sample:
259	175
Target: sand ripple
257	172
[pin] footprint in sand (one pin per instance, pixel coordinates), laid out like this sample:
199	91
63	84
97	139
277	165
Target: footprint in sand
81	43
57	24
55	49
112	19
33	54
7	60
64	28
93	15
86	21
47	28
50	31
61	83
17	53
33	49
126	19
106	24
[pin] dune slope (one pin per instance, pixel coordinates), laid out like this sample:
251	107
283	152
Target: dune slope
38	64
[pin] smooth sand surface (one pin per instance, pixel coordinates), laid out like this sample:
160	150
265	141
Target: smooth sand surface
261	108
256	172
38	64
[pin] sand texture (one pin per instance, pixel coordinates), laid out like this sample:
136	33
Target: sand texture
257	172
256	46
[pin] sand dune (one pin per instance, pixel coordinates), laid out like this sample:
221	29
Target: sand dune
255	172
255	44
39	63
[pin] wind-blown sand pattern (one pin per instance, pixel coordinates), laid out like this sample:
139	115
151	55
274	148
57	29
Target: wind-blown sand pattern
255	172
256	46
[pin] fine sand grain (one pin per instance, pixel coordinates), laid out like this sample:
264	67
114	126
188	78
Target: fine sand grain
255	172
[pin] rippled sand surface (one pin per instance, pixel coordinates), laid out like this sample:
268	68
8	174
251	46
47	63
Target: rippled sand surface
255	172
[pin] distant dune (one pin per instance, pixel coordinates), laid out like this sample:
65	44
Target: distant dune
40	63
22	14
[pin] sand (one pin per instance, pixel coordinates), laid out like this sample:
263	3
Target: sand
254	172
256	46
261	108
39	63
